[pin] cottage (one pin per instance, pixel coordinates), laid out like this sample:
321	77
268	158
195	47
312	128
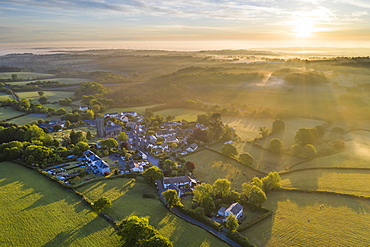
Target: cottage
142	155
84	108
235	209
171	140
192	147
95	163
181	184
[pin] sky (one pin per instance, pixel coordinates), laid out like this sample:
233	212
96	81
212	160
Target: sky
185	24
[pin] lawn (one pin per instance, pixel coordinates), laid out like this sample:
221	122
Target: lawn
209	166
127	200
36	211
299	221
25	75
263	160
180	114
8	112
348	181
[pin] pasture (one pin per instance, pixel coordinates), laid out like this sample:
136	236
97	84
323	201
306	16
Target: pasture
138	109
247	128
25	75
264	160
61	80
31	118
36	211
345	181
127	201
312	219
180	114
8	112
356	153
51	95
209	166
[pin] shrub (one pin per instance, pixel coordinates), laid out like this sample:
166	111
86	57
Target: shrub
240	239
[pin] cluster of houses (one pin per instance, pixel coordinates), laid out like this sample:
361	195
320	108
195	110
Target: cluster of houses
95	163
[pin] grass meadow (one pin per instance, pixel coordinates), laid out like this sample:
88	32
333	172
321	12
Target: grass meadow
51	95
29	119
25	75
61	80
209	166
127	201
36	211
8	112
180	114
138	109
263	160
345	181
299	221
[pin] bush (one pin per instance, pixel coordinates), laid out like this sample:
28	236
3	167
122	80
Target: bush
240	239
200	217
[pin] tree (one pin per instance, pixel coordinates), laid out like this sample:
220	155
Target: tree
229	150
306	136
77	136
90	88
232	223
81	147
264	132
190	166
43	100
296	149
221	187
246	159
208	204
310	150
201	191
277	126
276	146
41	93
122	136
256	196
152	174
102	203
88	134
171	198
271	181
15	77
109	143
136	231
257	182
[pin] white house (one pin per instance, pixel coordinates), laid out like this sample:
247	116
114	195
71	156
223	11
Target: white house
192	147
84	108
235	209
95	163
178	181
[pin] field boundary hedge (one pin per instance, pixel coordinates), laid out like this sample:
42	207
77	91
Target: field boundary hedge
252	168
256	220
325	168
324	192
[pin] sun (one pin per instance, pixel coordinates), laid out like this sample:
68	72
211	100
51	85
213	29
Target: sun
303	27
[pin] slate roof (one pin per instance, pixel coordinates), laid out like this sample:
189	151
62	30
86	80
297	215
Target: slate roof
235	208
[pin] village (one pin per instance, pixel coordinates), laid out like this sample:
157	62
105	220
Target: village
170	142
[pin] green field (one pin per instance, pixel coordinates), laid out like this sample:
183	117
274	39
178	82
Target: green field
36	211
8	112
61	80
128	201
138	109
355	154
346	181
24	75
209	166
29	119
263	160
180	114
51	95
247	128
343	221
